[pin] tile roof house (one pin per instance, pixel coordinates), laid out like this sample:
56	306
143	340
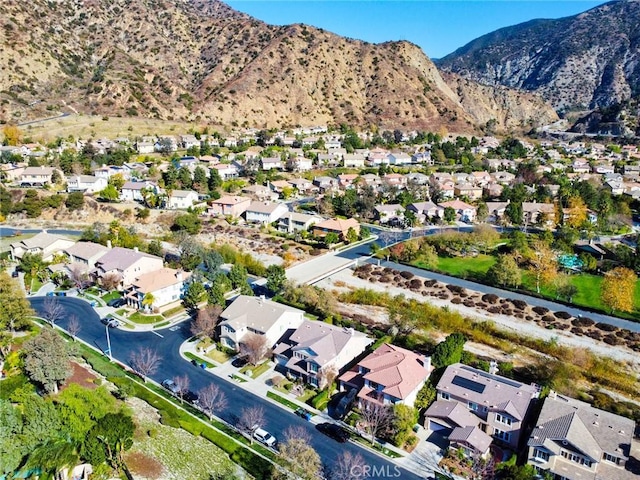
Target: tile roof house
265	212
469	190
232	205
317	347
426	210
295	222
127	264
85	253
38	176
336	225
303	185
182	199
464	211
502	405
166	285
389	213
86	183
576	441
43	243
259	316
262	192
388	376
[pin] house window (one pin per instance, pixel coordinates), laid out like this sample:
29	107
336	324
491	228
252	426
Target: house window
313	381
611	459
579	459
473	406
444	395
503	419
313	367
506	436
540	455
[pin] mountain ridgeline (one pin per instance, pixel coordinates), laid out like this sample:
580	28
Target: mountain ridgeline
200	60
582	62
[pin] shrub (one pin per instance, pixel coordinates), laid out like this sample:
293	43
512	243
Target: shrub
548	319
605	327
540	310
519	304
563	315
320	401
407	275
455	289
456	301
490	298
582	322
430	283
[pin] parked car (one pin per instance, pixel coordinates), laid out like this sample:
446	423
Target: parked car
191	397
110	322
345	403
265	437
239	362
14	274
171	386
334	431
116	302
301	412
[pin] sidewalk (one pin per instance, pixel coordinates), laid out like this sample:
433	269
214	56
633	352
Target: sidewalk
260	388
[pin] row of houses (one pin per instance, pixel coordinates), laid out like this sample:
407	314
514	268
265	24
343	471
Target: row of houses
473	409
137	274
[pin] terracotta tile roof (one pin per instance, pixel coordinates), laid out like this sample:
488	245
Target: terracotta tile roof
154	281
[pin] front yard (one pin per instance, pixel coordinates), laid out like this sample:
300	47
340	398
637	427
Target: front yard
255	371
142	319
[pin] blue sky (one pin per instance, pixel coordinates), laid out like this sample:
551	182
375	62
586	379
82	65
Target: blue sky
439	27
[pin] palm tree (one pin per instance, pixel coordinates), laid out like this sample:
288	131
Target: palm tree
53	457
148	300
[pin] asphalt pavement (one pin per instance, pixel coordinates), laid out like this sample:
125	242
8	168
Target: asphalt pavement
167	342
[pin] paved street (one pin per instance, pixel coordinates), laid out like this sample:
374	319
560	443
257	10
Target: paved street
168	342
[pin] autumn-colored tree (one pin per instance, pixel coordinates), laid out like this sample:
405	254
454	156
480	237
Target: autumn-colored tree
12	135
254	347
206	321
110	281
577	212
618	288
543	263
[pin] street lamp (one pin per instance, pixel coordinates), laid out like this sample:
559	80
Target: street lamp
106	328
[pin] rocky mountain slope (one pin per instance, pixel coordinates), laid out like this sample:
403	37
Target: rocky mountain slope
201	60
581	62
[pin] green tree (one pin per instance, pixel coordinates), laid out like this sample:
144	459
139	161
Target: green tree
114	432
428	255
449	351
238	276
505	272
426	396
80	408
75	201
46	360
148	299
404	418
109	193
155	248
14	314
331	238
187	222
449	215
218	290
352	236
194	295
276	278
12	448
215	181
117	181
514	213
184	178
200	179
482	212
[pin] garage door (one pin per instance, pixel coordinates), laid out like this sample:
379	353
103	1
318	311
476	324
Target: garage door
440	428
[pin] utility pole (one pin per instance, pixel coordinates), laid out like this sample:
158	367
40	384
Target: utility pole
106	328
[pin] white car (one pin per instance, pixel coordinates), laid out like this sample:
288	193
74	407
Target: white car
265	437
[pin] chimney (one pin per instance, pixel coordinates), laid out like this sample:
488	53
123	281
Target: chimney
135	249
179	275
426	362
109	244
493	367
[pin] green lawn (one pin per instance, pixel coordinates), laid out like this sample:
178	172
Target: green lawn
462	266
137	317
218	356
110	296
173	311
282	400
255	372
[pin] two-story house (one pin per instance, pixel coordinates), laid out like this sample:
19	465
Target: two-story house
133	191
85	254
229	205
292	222
164	286
258	316
182	199
127	264
86	183
464	211
262	192
501	405
390	375
573	440
316	348
264	212
38	176
389	213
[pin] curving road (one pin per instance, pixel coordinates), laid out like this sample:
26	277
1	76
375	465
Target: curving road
168	342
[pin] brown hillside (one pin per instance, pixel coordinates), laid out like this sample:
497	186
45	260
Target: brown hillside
200	60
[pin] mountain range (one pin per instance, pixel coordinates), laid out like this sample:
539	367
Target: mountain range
583	62
200	60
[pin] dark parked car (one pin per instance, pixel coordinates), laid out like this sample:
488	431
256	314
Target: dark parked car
116	302
190	397
14	274
334	431
239	362
301	412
